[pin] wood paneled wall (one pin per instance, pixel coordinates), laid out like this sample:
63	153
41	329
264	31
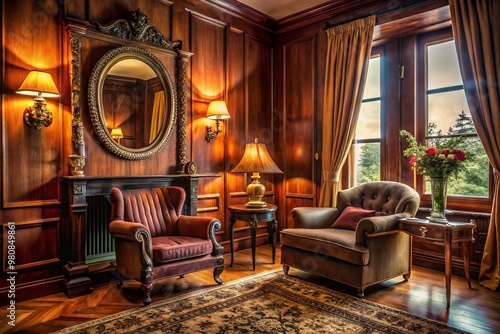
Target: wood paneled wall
270	73
299	96
232	60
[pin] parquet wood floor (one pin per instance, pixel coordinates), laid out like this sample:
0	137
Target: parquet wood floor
476	310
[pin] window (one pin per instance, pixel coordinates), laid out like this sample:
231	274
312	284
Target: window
366	148
414	83
448	115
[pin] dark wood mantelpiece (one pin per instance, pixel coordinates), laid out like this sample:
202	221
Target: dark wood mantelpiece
85	244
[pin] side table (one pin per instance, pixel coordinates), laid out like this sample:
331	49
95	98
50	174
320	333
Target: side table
444	235
253	215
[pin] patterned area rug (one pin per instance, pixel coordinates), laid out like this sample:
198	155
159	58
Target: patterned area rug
265	303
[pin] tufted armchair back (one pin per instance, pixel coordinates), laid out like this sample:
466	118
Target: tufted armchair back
383	196
158	209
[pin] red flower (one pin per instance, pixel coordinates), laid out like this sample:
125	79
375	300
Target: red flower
412	160
459	155
431	150
445	151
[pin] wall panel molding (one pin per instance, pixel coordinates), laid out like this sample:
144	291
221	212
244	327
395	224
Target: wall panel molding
209	203
300	101
41	235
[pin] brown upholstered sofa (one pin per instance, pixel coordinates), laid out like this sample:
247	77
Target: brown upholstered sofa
153	240
360	254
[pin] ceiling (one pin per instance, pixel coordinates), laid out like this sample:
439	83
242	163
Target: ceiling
278	9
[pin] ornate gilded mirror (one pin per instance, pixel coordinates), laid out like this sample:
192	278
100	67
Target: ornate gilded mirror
136	43
132	102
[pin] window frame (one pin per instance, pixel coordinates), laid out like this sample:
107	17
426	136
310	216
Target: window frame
454	202
348	170
403	75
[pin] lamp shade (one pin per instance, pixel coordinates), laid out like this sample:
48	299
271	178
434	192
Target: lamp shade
217	110
39	82
116	133
256	159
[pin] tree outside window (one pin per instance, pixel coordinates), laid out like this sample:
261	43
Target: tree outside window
448	115
368	139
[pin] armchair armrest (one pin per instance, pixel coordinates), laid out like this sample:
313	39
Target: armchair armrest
201	227
379	225
193	226
133	233
314	217
121	229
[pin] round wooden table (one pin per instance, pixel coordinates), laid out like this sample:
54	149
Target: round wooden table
253	215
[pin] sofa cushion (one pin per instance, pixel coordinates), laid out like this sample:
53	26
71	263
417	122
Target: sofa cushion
338	243
350	217
174	248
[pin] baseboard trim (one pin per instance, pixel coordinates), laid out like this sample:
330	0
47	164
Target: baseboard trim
31	290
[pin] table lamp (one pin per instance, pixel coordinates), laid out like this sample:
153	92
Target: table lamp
256	159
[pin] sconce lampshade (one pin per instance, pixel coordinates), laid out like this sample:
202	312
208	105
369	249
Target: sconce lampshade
116	133
217	110
39	82
256	159
40	85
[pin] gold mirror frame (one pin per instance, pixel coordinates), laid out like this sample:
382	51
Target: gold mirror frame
95	97
136	31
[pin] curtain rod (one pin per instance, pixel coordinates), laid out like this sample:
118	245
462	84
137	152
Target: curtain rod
327	25
384	11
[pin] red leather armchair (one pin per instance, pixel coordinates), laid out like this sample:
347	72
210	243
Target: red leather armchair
153	240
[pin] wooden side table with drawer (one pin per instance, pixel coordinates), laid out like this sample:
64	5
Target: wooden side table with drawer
444	235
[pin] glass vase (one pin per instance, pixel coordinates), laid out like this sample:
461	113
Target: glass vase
439	188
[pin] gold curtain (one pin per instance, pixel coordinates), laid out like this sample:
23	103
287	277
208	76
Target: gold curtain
476	25
158	115
348	55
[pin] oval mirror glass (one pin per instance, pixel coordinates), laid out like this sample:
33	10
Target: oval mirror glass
132	102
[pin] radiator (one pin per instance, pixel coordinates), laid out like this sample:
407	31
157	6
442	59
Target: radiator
99	245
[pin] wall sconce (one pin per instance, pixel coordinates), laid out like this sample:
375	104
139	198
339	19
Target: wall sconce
256	159
36	84
117	134
216	110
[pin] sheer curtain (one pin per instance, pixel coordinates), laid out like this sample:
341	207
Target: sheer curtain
348	55
476	26
158	115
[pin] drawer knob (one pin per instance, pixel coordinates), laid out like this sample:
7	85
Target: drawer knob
423	230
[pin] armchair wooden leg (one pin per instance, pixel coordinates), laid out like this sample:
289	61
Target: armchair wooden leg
361	293
407	276
286	269
217	271
147	284
119	278
146	291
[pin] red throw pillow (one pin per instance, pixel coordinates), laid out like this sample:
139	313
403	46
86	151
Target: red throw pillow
350	217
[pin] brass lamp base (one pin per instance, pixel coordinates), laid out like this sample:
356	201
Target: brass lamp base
38	115
256	204
256	191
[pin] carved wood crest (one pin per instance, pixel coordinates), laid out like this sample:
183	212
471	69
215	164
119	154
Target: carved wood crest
137	28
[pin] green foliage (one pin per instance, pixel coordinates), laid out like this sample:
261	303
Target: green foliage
471	180
369	166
